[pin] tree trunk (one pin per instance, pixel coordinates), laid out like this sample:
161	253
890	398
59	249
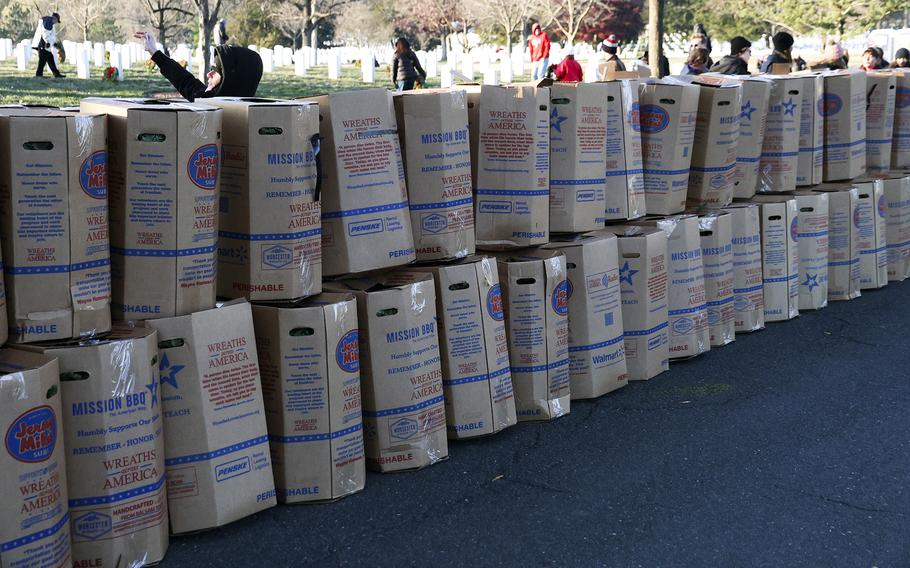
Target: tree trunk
162	30
524	31
445	45
314	35
205	42
655	36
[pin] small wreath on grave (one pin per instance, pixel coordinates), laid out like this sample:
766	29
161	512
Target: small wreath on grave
110	74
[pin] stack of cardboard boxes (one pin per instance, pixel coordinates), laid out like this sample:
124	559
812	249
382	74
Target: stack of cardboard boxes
396	271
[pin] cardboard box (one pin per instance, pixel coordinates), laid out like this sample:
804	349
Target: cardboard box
476	376
269	243
210	387
597	362
748	289
780	257
510	160
625	189
717	256
880	101
811	131
310	364
536	304
896	189
871	246
114	447
578	125
844	109
53	213
753	118
164	163
404	413
433	132
687	311
780	146
366	223
35	530
812	209
716	136
843	241
667	115
643	290
900	139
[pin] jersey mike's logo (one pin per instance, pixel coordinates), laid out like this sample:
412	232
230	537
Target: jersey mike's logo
829	104
794	229
560	300
347	353
203	166
93	175
494	302
653	119
31	438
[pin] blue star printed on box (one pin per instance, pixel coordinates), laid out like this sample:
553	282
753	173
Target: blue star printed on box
811	281
556	120
626	273
790	107
169	372
153	390
746	110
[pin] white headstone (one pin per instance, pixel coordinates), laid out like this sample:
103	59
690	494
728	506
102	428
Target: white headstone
491	77
300	63
518	62
432	67
467	66
287	56
83	62
482	59
505	69
334	62
591	69
22	57
366	64
312	56
277	55
117	61
108	45
268	61
445	76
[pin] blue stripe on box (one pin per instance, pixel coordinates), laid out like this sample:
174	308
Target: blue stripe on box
270	236
192	458
364	210
441	204
402	409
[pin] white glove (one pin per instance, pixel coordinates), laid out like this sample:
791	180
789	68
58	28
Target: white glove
150	45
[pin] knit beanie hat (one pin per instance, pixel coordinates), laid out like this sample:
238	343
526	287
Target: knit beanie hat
739	44
782	41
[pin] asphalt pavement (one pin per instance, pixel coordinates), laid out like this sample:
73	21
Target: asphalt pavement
787	447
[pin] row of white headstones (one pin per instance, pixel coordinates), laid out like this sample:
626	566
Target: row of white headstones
488	64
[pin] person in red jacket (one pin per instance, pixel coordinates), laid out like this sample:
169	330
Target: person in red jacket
539	43
569	70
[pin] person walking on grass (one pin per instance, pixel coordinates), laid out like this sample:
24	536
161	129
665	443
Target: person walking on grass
406	69
539	44
737	63
45	40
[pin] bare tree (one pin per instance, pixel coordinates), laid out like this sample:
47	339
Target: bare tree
84	13
502	15
568	15
164	15
305	16
207	12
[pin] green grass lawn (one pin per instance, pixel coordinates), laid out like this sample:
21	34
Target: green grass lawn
23	87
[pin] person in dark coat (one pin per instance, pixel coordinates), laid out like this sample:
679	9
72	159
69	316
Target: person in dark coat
406	69
737	63
236	72
783	44
697	63
44	40
901	59
663	64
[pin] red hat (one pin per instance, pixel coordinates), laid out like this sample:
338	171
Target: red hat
611	41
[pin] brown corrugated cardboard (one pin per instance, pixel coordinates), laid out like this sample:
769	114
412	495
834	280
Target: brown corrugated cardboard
365	220
716	136
433	132
216	445
812	209
643	289
900	139
510	151
880	99
476	377
310	363
780	256
164	162
748	290
811	130
687	312
871	246
717	256
597	362
401	378
35	529
844	107
269	243
843	241
753	118
625	187
114	447
53	206
896	188
780	146
578	119
667	117
536	305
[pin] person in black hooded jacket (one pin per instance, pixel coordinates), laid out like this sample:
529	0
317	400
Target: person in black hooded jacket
236	72
737	63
